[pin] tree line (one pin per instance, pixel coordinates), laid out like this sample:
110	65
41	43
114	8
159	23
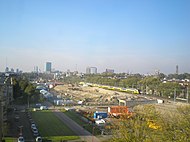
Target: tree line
24	90
152	85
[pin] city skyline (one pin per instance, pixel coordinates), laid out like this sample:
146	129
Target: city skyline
48	69
127	36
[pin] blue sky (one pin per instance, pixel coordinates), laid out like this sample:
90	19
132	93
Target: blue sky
136	36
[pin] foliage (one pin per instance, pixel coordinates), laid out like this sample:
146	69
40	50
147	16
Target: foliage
168	88
136	128
22	88
173	127
179	76
72	79
114	80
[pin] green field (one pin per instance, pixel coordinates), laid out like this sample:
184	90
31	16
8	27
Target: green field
9	139
77	119
52	127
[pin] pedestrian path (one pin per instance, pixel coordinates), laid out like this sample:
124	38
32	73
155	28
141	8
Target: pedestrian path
80	131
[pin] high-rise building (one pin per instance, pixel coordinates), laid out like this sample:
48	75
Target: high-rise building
88	70
109	71
36	69
48	67
91	70
12	70
6	69
177	69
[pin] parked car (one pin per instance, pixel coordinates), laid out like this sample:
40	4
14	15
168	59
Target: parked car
33	126
43	108
35	132
21	139
39	139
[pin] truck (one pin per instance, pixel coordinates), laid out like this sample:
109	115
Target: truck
116	111
100	115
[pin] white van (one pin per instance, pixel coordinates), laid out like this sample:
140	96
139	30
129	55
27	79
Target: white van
43	108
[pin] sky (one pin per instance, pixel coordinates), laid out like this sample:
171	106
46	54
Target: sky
135	36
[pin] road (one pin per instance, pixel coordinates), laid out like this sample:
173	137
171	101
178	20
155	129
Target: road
20	125
80	131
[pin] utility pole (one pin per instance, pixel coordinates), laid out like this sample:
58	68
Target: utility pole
1	118
174	95
1	113
28	102
187	95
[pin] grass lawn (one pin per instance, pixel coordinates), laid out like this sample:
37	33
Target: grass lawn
9	139
52	127
77	119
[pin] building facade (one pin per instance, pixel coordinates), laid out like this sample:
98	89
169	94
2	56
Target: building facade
48	67
109	71
91	70
6	98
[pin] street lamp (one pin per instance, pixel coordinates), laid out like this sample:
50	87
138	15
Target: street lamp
20	127
28	102
93	133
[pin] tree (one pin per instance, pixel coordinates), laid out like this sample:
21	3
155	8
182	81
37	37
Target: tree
161	76
23	84
137	127
23	89
150	83
171	127
167	89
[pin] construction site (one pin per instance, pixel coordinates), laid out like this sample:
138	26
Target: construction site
89	100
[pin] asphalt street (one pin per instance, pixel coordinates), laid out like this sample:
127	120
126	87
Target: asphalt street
20	126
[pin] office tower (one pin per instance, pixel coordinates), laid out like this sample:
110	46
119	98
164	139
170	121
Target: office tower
12	70
6	69
91	70
109	71
48	67
177	69
36	69
88	70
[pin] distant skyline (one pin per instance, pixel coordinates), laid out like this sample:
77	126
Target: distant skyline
138	36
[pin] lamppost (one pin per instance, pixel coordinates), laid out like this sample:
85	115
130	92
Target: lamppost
187	91
28	102
1	119
20	127
93	133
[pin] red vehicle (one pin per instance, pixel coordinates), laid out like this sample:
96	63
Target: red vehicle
117	111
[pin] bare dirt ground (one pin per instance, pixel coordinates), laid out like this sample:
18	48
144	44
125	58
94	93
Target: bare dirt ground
91	94
98	96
